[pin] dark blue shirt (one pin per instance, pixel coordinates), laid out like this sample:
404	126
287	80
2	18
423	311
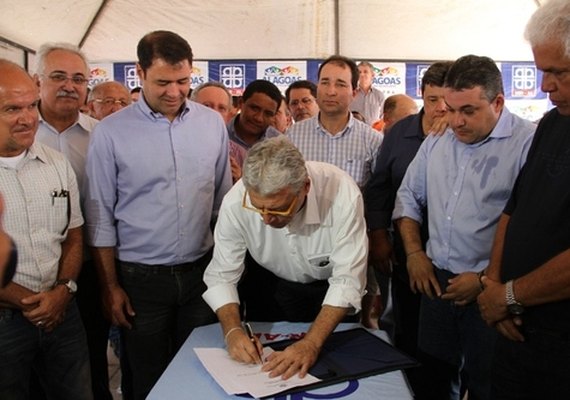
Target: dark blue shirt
397	152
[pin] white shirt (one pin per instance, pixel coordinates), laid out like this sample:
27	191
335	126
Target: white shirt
72	142
325	240
36	213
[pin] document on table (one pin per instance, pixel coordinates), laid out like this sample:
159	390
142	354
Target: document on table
238	378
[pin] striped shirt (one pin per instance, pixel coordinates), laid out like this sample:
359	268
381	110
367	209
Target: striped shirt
37	213
353	150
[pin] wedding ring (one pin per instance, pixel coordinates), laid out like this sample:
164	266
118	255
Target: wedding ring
40	323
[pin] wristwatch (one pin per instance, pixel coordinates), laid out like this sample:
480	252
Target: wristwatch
513	306
69	283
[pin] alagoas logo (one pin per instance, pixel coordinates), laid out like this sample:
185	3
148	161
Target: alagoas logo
523	81
98	75
197	76
386	76
233	75
282	76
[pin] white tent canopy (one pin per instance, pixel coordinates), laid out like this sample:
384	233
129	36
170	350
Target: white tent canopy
108	30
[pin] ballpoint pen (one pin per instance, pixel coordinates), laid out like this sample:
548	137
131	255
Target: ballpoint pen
251	336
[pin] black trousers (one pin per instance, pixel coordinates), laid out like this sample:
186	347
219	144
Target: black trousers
268	298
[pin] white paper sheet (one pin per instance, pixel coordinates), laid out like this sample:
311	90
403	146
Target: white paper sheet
237	378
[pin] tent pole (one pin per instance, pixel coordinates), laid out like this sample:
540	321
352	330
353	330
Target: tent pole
336	27
93	22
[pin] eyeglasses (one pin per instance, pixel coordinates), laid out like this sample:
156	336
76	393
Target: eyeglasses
286	213
305	100
58	77
109	102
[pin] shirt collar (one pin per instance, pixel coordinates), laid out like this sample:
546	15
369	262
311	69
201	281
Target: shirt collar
82	121
154	116
347	128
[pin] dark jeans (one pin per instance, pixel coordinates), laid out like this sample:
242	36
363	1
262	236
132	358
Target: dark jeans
168	304
269	298
60	358
538	368
460	340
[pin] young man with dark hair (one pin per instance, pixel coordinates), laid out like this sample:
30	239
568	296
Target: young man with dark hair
149	222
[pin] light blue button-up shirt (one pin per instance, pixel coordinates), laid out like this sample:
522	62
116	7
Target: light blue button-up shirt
153	186
465	187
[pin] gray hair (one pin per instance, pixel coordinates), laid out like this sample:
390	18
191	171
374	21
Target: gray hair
212	84
103	85
272	165
47	48
550	23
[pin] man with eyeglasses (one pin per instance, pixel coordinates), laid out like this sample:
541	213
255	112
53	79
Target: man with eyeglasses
62	75
107	98
464	178
301	97
40	326
303	223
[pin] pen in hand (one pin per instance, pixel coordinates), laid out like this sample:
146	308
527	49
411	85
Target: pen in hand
251	336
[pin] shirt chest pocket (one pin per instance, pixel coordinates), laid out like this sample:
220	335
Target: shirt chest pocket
320	266
59	214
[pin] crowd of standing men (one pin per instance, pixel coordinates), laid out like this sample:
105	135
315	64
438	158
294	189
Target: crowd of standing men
165	214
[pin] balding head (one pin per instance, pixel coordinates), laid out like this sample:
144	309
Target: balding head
107	98
18	109
397	107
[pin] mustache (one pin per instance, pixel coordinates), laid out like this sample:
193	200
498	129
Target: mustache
23	127
65	93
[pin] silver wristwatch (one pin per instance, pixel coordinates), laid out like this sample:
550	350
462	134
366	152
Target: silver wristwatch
69	283
513	306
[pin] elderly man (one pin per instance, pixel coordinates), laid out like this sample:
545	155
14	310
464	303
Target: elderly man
301	97
464	178
62	74
41	326
397	107
216	96
107	98
527	287
368	100
303	222
152	219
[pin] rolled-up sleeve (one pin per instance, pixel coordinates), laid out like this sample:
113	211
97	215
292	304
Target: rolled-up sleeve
349	259
412	194
227	265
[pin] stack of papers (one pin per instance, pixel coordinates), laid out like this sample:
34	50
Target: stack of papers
238	378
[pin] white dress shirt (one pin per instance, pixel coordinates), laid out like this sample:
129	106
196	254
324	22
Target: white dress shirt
325	240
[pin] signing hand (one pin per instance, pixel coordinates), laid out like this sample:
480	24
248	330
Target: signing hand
243	349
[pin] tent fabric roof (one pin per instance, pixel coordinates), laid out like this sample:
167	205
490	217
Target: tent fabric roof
108	30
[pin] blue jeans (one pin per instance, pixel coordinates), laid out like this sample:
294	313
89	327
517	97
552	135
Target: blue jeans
460	340
168	304
537	368
59	358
